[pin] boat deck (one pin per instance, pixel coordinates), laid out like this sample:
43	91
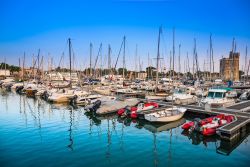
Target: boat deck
242	106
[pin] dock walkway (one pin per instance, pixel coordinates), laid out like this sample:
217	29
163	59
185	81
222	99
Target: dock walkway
241	111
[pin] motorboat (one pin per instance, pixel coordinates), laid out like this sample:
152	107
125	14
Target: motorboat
111	106
17	85
62	97
181	96
133	111
209	125
86	99
245	96
218	97
104	90
7	83
166	115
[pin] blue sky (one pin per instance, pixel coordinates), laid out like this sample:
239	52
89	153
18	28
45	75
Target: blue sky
27	25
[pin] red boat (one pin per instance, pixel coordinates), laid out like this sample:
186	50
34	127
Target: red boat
209	125
132	111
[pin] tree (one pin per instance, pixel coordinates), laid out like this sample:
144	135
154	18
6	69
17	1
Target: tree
120	71
12	68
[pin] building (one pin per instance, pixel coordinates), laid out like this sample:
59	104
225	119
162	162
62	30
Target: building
229	67
5	73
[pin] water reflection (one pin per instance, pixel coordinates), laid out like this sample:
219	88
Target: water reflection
35	109
197	138
71	142
226	147
159	127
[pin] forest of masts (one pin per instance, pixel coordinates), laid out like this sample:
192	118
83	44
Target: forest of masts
191	67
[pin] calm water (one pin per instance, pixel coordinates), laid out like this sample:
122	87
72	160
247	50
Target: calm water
35	133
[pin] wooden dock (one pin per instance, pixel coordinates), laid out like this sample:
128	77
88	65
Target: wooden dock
241	111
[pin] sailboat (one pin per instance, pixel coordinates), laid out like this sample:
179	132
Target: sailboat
66	95
165	115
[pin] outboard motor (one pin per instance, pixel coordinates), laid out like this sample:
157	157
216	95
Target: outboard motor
19	89
196	126
95	106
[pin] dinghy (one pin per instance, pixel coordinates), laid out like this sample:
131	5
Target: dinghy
209	125
166	115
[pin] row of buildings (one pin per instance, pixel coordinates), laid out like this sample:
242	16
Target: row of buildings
229	70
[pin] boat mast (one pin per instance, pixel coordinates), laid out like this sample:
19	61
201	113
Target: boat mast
90	59
38	61
188	64
123	70
42	68
196	60
148	66
170	68
23	65
99	52
158	58
210	57
101	64
179	61
173	48
136	61
5	66
33	61
69	40
19	64
139	65
118	55
109	59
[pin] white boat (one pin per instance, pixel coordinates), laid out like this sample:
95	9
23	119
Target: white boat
245	96
16	85
104	90
86	99
166	115
126	91
201	92
218	97
7	83
181	96
62	97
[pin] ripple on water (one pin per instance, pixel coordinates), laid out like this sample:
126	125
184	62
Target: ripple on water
36	133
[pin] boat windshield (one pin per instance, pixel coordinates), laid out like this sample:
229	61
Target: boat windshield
215	94
179	91
210	94
219	95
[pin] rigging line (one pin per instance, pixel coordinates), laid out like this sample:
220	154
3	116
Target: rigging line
118	54
98	54
65	46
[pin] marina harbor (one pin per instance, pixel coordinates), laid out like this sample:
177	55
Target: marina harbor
106	83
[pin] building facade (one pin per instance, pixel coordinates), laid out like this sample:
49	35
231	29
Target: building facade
5	73
229	67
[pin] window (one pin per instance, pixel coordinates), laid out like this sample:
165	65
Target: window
218	95
210	94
